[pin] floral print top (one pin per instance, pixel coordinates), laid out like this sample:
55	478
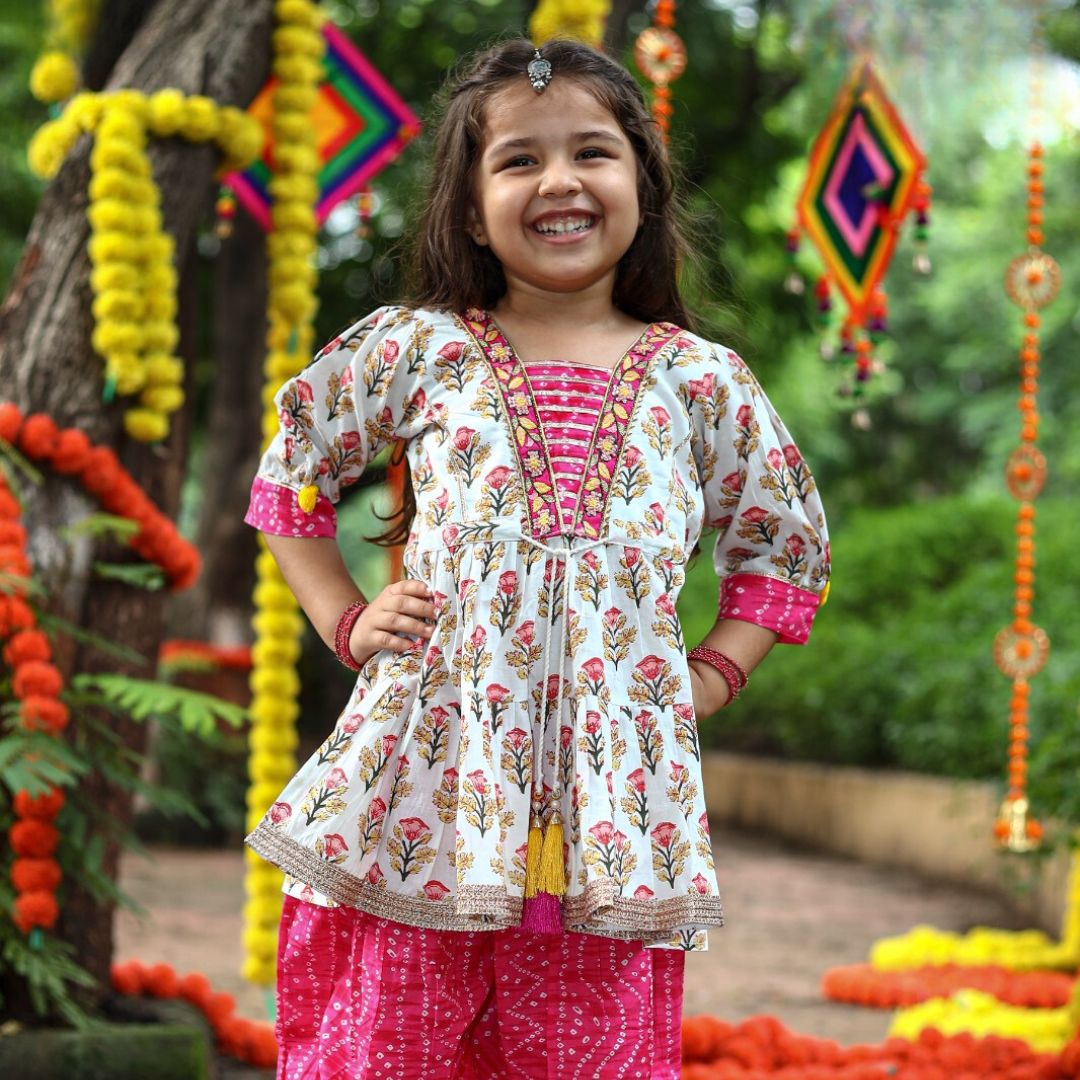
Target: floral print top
557	672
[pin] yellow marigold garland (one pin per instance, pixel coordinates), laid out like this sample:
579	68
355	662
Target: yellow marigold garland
1046	1031
298	49
133	278
1023	950
55	76
580	19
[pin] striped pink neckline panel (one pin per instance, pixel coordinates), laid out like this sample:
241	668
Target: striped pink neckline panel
569	398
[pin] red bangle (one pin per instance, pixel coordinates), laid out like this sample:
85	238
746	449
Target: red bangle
343	631
733	674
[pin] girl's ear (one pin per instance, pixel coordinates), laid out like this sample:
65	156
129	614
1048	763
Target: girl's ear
473	225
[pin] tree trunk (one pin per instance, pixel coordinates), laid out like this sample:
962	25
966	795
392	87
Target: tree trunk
218	608
215	47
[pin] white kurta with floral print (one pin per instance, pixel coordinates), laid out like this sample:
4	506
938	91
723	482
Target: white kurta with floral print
417	806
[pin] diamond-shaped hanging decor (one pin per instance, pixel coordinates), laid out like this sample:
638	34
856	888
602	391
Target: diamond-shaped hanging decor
361	126
864	169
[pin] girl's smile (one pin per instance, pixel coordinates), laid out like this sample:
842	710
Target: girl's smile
554	191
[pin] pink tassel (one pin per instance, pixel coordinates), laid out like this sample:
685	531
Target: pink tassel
542	914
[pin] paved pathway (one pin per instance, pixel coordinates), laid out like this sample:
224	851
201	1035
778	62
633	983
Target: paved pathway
791	915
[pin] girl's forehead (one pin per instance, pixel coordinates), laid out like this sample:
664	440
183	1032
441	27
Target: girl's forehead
513	109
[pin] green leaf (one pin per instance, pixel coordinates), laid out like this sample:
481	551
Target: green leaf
141	699
55	626
100	525
15	458
138	575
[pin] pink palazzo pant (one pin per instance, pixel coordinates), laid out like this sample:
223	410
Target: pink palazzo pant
361	998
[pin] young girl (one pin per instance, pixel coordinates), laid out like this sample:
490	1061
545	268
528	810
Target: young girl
500	855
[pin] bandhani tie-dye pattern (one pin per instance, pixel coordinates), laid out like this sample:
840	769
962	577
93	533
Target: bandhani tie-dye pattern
364	998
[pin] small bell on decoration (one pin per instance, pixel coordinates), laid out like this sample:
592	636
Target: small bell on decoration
225	211
365	208
824	301
860	420
921	206
793	283
827	349
1014	830
879	309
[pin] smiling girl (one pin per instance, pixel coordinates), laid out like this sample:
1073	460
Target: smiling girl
499	857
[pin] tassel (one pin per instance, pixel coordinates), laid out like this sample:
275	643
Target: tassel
542	914
532	857
552	864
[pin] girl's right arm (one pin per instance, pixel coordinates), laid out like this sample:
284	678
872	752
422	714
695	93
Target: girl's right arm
315	572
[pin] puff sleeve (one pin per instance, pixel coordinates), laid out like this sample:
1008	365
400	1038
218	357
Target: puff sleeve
772	551
334	417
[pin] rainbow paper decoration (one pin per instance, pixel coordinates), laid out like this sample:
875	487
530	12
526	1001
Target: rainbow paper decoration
864	169
362	125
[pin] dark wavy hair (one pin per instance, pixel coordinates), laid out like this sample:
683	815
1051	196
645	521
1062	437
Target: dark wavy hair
447	271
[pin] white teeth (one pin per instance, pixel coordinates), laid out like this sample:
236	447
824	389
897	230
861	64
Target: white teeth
558	228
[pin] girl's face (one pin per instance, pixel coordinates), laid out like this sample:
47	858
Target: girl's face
555	189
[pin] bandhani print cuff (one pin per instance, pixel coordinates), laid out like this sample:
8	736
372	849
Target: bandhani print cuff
769	602
274	509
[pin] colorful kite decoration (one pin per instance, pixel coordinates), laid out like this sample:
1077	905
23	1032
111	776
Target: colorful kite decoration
361	125
865	175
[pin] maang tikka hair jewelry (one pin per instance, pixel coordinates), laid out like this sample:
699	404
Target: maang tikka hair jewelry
539	72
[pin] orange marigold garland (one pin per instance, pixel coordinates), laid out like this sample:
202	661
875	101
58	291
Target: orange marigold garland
1020	649
71	453
248	1040
661	57
177	655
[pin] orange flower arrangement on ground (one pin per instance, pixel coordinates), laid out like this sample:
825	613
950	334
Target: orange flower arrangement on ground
247	1040
70	453
762	1048
178	655
863	984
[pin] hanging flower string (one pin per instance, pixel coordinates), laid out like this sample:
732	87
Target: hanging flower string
275	685
133	278
1021	649
661	57
36	684
55	76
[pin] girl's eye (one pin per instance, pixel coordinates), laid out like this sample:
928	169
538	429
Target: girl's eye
594	150
517	161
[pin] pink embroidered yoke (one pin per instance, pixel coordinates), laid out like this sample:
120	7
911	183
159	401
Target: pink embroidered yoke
557	505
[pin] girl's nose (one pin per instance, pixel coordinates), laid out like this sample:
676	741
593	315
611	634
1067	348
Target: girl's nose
559	178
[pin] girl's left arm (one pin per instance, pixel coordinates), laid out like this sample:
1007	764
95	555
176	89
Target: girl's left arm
745	642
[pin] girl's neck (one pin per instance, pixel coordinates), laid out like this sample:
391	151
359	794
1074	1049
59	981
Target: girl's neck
528	308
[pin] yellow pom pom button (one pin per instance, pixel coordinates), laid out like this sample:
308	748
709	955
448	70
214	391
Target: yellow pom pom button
307	497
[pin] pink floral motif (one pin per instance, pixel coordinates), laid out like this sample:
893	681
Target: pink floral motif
525	632
664	604
375	874
553	687
334	845
303	391
498	477
636	780
508	582
603	832
378	810
701	884
651	667
594	669
478	781
390	350
663	833
566	736
630	557
792	456
442	500
351	723
611	617
336	778
497	694
450	535
661	416
280	812
796	545
744	415
413	828
463	437
516	737
478	638
436	890
632	457
643	892
592	722
451	351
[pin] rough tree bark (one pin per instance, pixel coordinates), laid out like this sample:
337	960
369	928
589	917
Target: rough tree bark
215	47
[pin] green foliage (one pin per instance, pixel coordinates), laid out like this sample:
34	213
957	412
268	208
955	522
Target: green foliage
899	669
138	575
50	973
142	699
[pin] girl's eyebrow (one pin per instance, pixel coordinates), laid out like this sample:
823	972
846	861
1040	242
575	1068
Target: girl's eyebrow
577	136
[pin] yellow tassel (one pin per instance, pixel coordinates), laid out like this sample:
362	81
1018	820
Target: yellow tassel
552	866
532	858
307	497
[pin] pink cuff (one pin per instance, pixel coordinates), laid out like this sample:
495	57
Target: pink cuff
769	602
274	509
